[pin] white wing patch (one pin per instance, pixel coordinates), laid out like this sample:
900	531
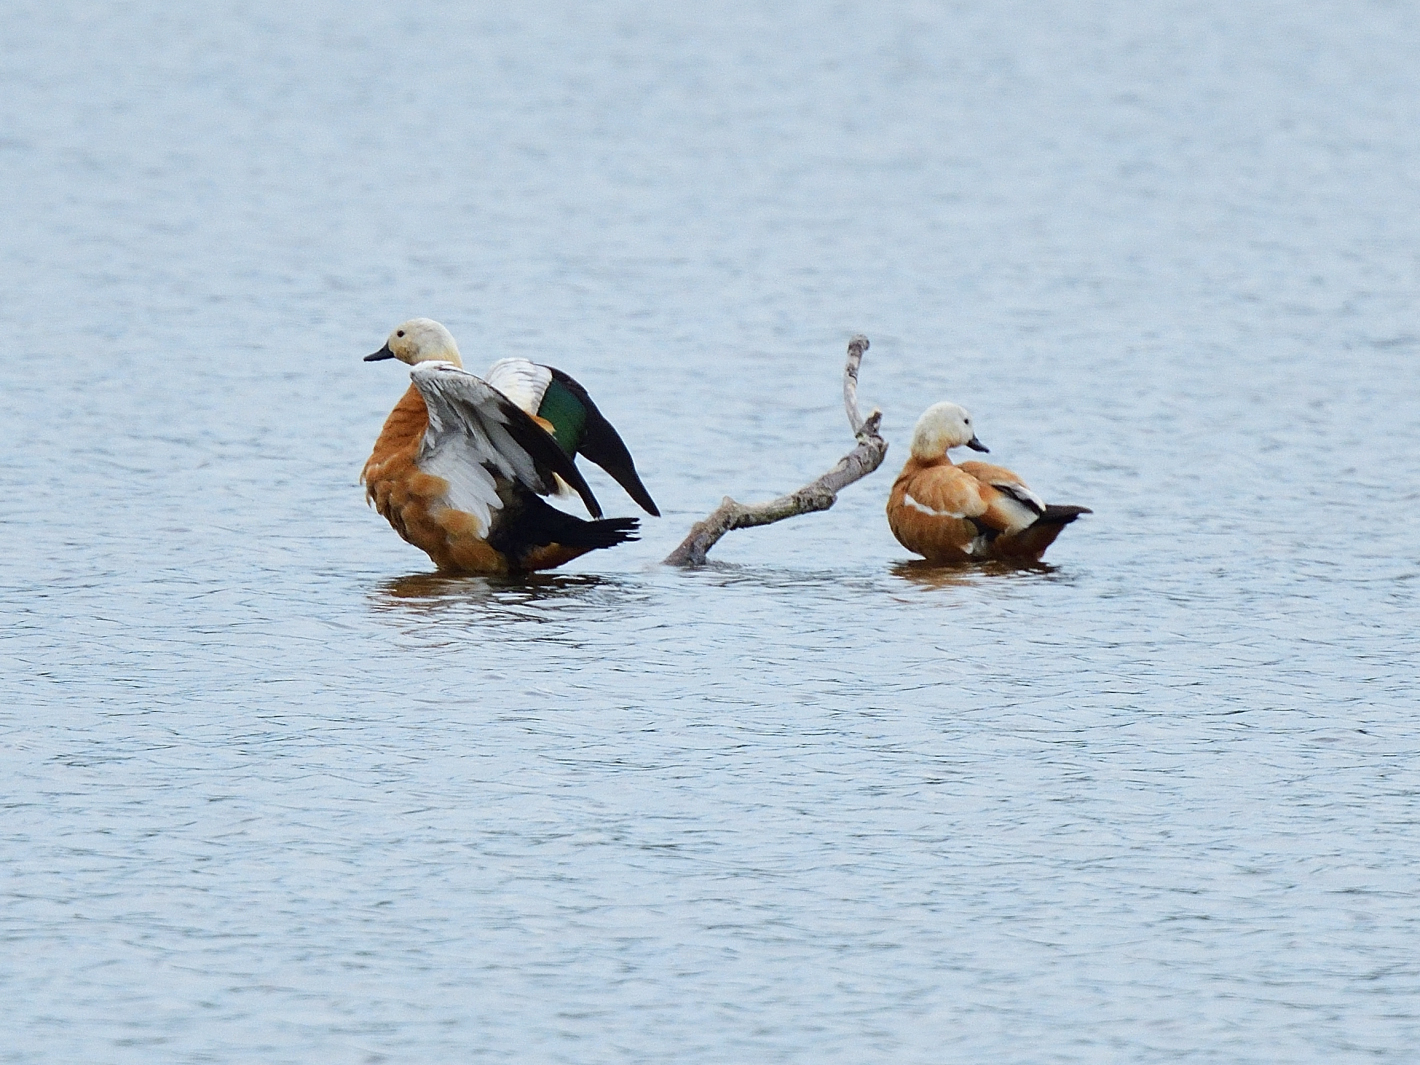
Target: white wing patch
472	488
909	501
522	381
468	443
1019	503
1021	494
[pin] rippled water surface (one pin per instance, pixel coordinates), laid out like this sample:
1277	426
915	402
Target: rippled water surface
272	792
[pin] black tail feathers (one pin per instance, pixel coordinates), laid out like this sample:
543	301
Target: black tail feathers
1061	515
531	524
606	532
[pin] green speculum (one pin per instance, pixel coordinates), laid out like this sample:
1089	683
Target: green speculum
567	415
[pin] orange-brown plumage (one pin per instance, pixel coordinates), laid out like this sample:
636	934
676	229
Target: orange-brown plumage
408	497
975	511
944	536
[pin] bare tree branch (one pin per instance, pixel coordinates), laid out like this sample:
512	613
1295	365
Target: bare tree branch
817	495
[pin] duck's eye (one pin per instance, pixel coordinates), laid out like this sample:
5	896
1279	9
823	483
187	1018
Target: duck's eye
400	333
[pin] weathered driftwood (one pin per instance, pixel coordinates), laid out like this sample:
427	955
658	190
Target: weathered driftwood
817	495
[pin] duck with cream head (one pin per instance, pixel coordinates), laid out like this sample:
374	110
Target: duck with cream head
971	512
461	462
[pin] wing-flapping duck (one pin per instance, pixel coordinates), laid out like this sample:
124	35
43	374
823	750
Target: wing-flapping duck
969	512
461	465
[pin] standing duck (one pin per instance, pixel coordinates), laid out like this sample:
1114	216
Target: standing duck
970	512
461	462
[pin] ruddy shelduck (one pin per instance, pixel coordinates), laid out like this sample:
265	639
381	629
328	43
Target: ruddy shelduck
462	461
970	512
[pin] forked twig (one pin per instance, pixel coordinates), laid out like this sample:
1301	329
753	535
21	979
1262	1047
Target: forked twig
816	495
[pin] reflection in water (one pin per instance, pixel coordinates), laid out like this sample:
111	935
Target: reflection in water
474	588
528	597
935	575
433	586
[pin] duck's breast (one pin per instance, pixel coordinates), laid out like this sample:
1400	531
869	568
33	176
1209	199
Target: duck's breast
931	509
422	505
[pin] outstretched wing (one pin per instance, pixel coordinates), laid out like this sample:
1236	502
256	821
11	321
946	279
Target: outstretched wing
477	436
521	381
601	443
559	400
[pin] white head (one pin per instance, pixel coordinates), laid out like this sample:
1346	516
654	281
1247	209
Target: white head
942	427
419	340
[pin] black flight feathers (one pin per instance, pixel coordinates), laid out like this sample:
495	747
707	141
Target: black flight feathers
471	396
545	452
603	445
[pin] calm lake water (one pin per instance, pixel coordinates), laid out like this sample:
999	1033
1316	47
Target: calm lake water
271	793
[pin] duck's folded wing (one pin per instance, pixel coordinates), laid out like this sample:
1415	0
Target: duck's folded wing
1012	506
476	434
944	493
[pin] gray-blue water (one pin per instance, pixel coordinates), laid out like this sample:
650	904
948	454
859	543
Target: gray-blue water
270	795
